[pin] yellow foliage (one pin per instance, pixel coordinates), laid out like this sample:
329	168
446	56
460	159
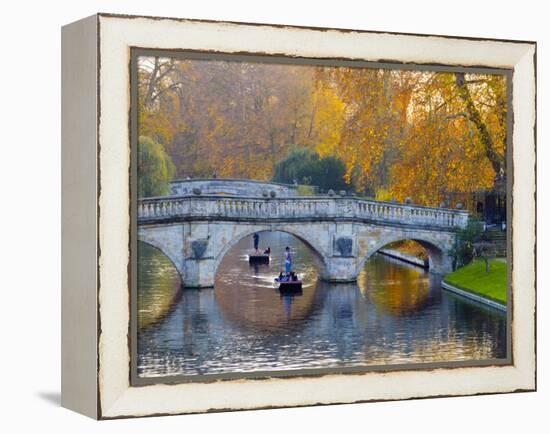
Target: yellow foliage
399	133
383	195
328	121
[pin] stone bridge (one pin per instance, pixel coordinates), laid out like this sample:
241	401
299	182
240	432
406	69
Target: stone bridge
195	232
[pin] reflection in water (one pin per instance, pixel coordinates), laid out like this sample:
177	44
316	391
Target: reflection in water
394	287
159	285
246	294
396	313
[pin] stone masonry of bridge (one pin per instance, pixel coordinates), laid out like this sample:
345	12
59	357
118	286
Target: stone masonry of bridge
195	232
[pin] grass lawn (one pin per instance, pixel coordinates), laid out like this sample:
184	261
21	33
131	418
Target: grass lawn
473	278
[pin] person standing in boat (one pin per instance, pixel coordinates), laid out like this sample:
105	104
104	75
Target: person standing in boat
256	238
288	260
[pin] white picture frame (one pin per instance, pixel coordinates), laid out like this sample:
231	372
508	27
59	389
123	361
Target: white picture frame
96	216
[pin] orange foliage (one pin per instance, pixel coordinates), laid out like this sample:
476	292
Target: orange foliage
399	133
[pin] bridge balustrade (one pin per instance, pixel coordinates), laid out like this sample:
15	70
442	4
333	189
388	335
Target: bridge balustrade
150	210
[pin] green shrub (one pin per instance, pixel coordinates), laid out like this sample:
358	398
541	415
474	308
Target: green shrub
463	250
155	168
304	166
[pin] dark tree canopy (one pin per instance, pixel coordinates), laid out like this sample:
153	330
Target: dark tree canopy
304	166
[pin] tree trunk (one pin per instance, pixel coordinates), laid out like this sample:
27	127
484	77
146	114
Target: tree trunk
473	113
151	83
487	266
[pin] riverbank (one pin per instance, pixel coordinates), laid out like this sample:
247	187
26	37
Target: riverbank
474	282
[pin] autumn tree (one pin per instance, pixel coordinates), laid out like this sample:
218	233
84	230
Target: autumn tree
373	119
451	144
493	151
419	134
158	117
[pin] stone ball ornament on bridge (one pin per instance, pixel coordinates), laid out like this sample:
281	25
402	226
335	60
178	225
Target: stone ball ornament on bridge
372	284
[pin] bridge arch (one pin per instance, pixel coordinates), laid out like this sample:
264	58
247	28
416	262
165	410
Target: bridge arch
162	249
300	235
439	260
169	241
154	306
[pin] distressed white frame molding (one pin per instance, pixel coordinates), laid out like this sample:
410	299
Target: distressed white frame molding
96	217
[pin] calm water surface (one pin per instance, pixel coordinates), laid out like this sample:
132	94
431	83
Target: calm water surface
394	314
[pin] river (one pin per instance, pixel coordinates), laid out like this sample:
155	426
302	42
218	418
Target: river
395	313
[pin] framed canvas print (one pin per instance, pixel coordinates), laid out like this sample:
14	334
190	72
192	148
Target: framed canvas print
260	216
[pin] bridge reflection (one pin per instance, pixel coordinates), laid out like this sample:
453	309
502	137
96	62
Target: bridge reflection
397	290
159	285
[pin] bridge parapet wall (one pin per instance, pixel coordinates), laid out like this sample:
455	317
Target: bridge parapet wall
153	210
233	187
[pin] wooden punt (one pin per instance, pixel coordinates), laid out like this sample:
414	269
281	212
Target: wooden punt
258	259
290	286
